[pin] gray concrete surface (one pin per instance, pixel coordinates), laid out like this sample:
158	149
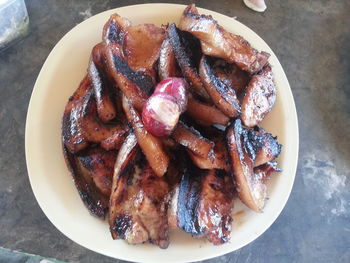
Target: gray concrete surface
311	39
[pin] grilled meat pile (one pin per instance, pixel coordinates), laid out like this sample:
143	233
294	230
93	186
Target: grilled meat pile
213	151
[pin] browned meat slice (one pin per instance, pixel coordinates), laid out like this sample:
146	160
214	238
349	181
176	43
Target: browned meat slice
142	47
205	114
167	66
151	146
135	84
84	113
231	75
222	95
264	172
98	164
218	42
115	141
251	189
185	48
100	83
192	140
262	146
138	203
260	96
217	159
204	203
125	78
95	201
71	134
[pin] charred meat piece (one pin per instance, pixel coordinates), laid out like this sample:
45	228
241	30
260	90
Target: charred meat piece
205	114
251	190
205	203
217	159
167	66
98	164
142	47
151	146
100	83
72	136
138	203
262	146
135	84
260	96
185	47
264	171
84	114
231	75
222	95
115	141
95	201
218	42
192	140
126	79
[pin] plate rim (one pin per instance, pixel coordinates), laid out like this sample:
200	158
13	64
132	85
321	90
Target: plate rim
31	108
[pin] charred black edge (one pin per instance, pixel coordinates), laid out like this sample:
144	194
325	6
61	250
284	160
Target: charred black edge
188	200
96	203
123	222
254	141
180	41
99	80
220	86
141	79
115	34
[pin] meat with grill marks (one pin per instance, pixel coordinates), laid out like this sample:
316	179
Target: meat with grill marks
245	147
92	180
203	203
167	66
101	84
222	95
138	203
81	125
259	98
187	53
218	42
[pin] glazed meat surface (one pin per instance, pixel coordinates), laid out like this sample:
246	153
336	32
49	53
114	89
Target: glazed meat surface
218	42
138	203
260	96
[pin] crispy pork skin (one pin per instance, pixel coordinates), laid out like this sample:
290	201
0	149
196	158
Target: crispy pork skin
259	98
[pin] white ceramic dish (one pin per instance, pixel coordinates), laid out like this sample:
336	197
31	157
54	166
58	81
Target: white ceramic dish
52	184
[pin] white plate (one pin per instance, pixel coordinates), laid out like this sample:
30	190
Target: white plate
52	184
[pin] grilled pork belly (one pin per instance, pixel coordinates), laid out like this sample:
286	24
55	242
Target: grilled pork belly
138	203
167	66
187	53
245	148
101	85
223	96
151	145
218	42
259	98
203	203
84	179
